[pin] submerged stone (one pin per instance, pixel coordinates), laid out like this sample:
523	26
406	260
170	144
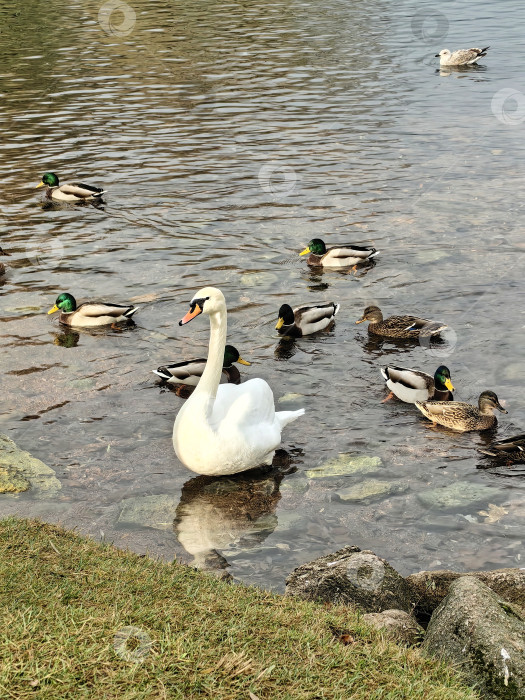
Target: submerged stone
23	467
289	397
157	512
369	490
11	481
345	464
459	494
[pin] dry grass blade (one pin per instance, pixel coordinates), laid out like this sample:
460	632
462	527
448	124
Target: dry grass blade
235	664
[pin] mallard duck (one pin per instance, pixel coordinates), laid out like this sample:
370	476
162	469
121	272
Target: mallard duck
463	416
461	57
399	326
90	313
340	256
2	266
226	428
190	372
411	385
511	449
70	192
305	319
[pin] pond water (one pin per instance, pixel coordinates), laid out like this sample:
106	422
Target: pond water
228	135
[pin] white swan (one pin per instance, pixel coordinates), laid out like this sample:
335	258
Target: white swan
229	428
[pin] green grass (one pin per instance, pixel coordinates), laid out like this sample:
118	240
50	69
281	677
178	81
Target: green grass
64	598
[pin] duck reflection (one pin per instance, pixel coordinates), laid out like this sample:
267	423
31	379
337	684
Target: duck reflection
317	277
67	339
216	513
376	345
285	348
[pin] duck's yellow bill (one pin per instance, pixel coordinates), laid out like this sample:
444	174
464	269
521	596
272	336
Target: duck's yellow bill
449	385
243	362
191	314
52	311
279	324
41	184
361	320
305	251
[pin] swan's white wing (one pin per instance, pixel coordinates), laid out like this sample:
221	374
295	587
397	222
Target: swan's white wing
244	405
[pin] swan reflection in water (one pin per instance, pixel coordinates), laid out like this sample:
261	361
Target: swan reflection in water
215	513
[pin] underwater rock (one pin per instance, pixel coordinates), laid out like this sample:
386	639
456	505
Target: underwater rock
369	490
345	464
157	512
11	481
20	466
459	494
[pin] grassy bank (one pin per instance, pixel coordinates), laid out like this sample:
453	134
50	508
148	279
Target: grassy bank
67	603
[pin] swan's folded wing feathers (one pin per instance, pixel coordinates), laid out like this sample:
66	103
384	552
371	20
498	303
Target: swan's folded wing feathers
247	404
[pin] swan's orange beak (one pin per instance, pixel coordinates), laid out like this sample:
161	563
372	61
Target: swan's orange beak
195	310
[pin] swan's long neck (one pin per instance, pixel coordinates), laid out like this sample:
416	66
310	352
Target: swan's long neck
211	376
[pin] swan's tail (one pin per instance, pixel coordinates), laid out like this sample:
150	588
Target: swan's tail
285	417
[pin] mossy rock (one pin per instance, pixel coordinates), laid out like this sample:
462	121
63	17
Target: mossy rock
483	636
11	481
344	465
24	467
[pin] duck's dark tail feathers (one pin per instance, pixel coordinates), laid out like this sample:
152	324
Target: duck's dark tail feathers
132	310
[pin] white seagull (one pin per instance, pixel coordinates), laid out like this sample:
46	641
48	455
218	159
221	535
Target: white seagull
461	57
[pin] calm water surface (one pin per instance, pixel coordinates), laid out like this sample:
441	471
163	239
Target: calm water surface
228	135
